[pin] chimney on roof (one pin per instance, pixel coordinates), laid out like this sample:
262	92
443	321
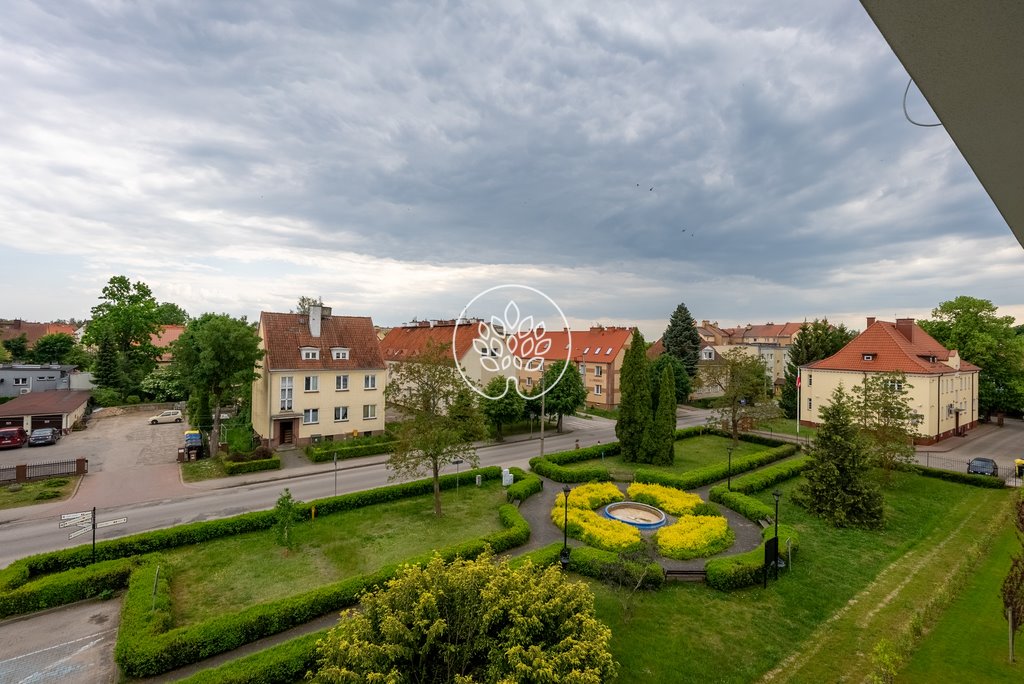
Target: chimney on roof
315	312
596	328
325	311
871	321
705	323
905	326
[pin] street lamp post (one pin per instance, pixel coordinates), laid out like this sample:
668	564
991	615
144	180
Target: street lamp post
778	495
457	463
729	471
565	530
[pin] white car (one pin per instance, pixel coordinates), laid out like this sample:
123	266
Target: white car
166	417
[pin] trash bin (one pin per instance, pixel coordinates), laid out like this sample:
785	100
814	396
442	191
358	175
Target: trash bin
1019	467
181	454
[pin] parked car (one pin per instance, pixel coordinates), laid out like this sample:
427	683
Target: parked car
166	417
983	466
41	436
13	437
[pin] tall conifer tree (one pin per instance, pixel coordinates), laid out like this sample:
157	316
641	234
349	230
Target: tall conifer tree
682	340
633	427
664	438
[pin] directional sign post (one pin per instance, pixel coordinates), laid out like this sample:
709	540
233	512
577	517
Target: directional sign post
86	520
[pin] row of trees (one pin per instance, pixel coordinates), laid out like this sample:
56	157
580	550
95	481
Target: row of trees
647	416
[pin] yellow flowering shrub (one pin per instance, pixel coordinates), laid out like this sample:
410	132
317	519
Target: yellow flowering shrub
595	530
669	499
694	536
590	496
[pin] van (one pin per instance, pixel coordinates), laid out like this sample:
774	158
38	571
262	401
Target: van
12	437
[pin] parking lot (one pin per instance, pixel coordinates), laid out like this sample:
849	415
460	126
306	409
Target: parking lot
988	440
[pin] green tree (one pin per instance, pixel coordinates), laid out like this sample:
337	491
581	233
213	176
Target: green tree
503	410
633	428
53	348
429	437
815	341
742	381
663	439
165	384
465	413
108	369
888	420
971	326
285	516
682	378
17	347
169	313
1013	584
216	356
564	396
836	486
682	340
470	621
127	316
5	355
304	303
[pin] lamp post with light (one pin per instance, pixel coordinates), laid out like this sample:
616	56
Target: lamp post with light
778	495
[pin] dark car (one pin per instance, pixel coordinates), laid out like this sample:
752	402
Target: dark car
12	437
983	466
42	436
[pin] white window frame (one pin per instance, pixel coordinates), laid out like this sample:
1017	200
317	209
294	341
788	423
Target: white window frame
311	383
583	368
341	414
867	357
370	381
529	381
707	354
369	412
310	354
310	416
597	389
598	371
341	383
287	392
339	353
21	382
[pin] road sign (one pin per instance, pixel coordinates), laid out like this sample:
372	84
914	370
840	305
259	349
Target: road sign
69	516
78	532
108	523
84	522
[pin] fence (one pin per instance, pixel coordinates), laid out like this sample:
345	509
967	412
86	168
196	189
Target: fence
39	471
945	462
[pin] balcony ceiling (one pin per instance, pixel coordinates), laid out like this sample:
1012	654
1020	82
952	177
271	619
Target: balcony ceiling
967	58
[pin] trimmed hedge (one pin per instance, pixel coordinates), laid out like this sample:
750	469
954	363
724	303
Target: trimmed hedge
686	433
281	664
747	506
598	564
986	481
766	477
715	472
146	649
746	569
25	569
74	585
239	467
320	453
525	485
558	473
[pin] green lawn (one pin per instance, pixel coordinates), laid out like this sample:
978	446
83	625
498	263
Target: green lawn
42	491
970	641
786	426
226	575
691	453
847	590
202	469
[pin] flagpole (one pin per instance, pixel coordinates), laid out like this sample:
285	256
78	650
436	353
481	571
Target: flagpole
799	408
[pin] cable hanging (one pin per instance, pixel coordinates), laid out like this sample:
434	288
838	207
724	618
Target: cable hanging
907	114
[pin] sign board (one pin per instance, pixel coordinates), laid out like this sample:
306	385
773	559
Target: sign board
771	551
108	523
71	516
78	532
84	522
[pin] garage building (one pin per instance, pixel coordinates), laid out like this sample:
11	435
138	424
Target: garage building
56	408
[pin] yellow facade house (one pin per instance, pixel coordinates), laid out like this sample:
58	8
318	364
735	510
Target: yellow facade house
943	388
322	377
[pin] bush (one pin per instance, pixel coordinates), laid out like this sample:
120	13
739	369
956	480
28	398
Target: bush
747	506
57	482
590	496
525	486
598	564
132	399
233	468
67	587
668	499
597	531
745	569
47	494
971	479
350	448
281	664
106	396
694	536
766	477
715	472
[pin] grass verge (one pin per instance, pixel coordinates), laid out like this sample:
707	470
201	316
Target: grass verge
32	493
203	469
691	454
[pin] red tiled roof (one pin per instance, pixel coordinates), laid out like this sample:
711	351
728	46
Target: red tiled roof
772	330
892	352
286	333
33	331
38	403
164	337
597	345
656	349
407	342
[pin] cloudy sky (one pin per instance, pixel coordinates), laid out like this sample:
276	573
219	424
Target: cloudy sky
396	158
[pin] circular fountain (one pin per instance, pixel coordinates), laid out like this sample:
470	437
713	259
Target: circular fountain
637	514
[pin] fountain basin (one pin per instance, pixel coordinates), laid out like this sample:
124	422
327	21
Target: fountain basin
637	514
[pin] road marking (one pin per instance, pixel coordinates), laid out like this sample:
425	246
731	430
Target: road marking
66	643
